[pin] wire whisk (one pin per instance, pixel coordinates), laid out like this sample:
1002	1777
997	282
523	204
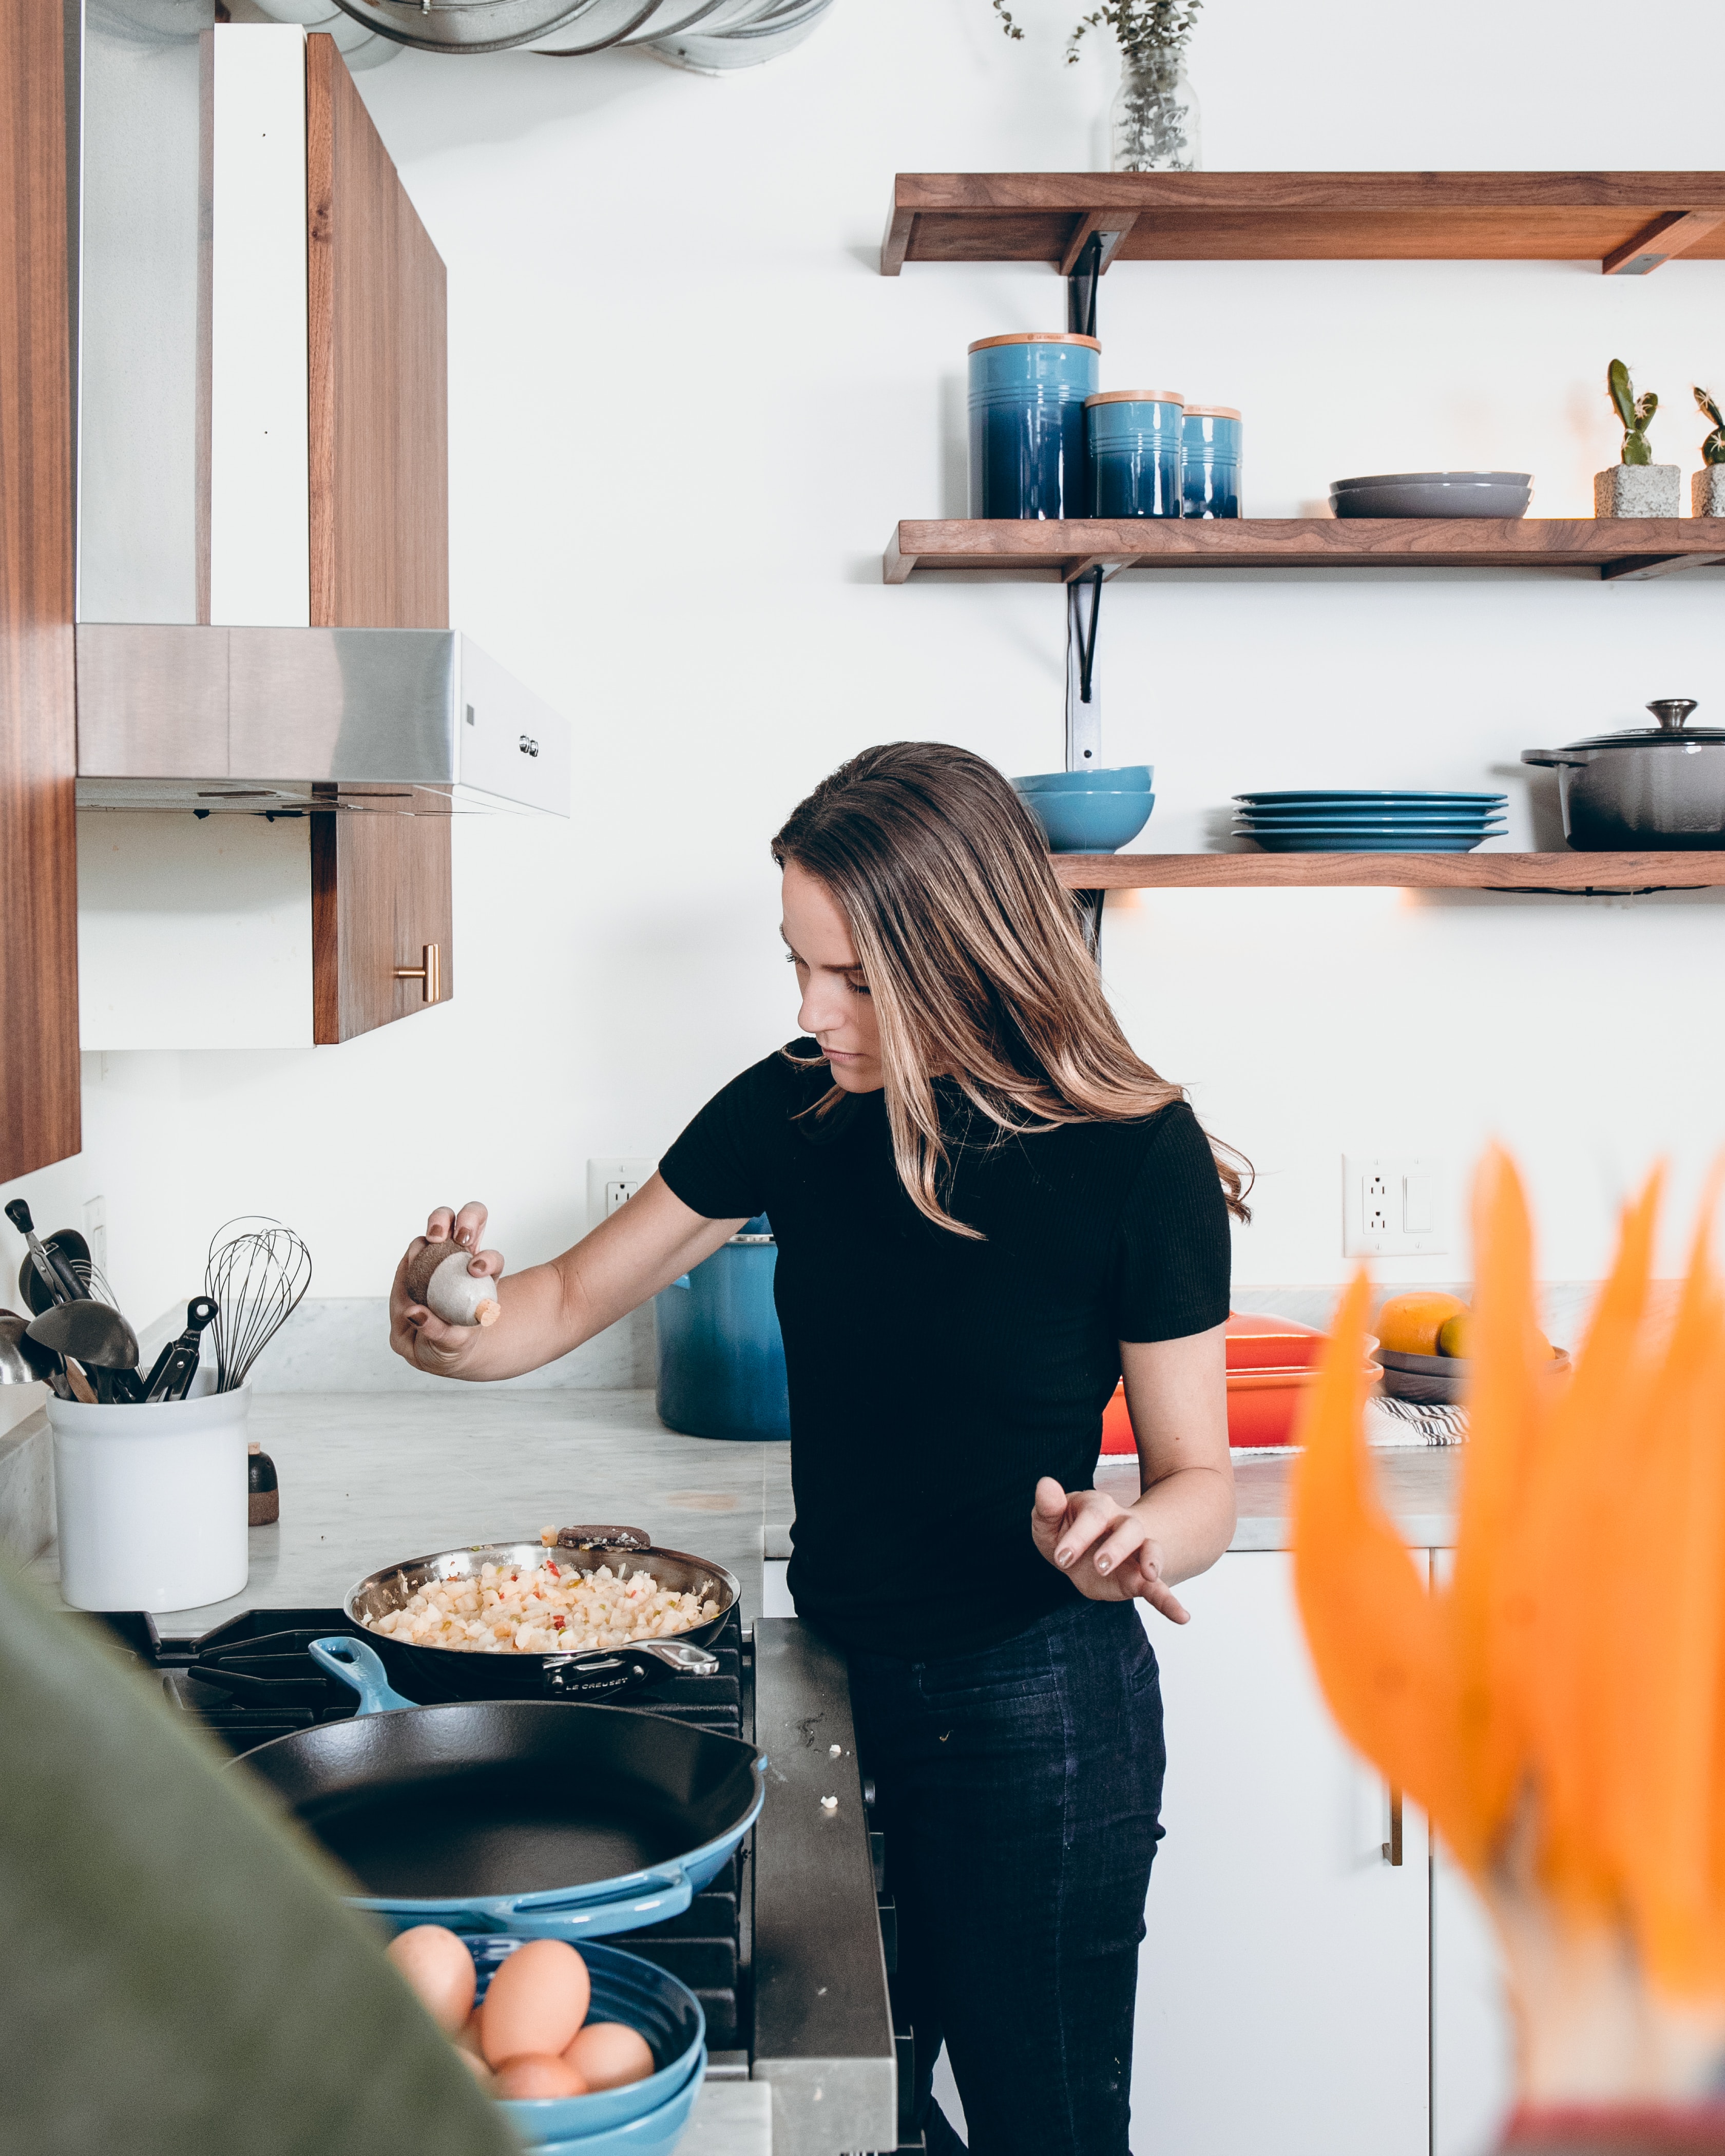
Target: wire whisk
256	1279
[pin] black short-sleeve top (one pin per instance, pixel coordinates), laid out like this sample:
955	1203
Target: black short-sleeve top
933	1378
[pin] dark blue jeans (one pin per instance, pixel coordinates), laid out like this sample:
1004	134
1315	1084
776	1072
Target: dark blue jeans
1019	1789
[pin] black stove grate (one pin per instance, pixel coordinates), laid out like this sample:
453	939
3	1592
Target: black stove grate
252	1679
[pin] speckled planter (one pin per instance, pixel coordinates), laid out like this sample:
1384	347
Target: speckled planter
1707	491
1639	490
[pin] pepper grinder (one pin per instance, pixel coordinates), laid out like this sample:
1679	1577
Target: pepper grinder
263	1497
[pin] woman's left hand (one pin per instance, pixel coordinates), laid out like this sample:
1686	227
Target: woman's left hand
1104	1548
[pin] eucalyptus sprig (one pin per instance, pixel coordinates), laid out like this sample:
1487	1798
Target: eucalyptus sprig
1141	28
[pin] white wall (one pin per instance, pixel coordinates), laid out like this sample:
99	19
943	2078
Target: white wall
685	411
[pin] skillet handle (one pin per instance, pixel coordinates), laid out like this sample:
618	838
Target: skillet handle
609	1670
357	1664
651	1897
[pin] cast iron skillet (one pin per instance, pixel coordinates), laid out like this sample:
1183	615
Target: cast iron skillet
544	1817
445	1673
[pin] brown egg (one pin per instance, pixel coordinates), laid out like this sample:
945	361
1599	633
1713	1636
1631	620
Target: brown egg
610	2055
440	1970
467	2036
476	2066
535	2076
536	2002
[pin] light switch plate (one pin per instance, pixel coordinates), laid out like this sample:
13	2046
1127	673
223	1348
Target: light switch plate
1394	1205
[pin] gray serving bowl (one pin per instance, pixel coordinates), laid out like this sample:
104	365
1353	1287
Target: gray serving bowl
1433	494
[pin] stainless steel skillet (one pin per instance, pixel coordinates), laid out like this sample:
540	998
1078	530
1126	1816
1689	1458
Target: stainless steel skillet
430	1673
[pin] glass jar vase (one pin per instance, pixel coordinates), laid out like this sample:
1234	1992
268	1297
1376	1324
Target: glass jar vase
1152	124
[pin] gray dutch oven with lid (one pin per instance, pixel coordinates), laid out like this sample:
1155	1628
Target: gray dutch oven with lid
1660	786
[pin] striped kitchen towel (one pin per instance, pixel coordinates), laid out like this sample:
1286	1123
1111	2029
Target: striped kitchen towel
1413	1422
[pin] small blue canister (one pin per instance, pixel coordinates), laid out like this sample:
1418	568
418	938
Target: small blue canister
1211	439
1027	395
1134	452
721	1369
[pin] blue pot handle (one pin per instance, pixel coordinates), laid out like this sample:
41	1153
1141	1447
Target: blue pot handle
646	1898
357	1664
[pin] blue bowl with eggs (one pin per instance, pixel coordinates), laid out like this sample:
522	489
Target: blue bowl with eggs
624	1989
1089	821
655	2135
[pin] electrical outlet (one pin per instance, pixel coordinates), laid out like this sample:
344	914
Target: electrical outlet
95	1230
612	1182
1394	1206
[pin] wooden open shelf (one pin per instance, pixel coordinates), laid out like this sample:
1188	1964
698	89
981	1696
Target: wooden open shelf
1566	871
1629	222
1046	550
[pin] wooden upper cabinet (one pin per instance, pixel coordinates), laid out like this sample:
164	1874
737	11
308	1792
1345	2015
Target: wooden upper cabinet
39	862
378	411
379	374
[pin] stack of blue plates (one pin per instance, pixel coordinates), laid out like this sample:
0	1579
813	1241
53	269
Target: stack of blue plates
1311	821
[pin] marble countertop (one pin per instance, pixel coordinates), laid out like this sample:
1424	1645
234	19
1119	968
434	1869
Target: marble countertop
369	1478
1417	1484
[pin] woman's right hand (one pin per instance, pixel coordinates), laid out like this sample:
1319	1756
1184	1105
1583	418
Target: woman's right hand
416	1335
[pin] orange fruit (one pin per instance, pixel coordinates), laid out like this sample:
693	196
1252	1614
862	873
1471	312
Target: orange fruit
1410	1324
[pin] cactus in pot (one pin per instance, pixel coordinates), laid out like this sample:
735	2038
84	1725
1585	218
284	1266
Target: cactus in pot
1635	487
1706	489
1634	411
1712	449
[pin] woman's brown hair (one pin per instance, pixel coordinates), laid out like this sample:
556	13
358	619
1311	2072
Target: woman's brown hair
973	955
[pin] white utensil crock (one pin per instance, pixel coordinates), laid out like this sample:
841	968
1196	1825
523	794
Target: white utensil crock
152	1501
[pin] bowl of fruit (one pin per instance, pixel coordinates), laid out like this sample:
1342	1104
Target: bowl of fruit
1423	1341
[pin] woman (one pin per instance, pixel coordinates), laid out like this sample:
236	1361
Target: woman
987	1209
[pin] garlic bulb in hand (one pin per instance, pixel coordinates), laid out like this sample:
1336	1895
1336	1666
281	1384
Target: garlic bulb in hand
440	1279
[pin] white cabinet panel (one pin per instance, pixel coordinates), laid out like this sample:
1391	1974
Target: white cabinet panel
1472	2041
1472	2038
259	509
1283	1991
194	934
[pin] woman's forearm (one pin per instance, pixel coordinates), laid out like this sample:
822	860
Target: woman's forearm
1190	1514
538	1324
547	1310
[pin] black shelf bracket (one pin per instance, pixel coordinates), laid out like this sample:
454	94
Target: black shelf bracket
1087	273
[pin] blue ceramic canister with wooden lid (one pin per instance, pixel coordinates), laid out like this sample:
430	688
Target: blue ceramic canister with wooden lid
1211	437
1027	453
1134	452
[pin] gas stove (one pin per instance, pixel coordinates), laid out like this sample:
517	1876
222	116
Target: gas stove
788	1950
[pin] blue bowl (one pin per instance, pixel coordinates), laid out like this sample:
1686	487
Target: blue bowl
1124	778
624	1989
1089	823
655	2135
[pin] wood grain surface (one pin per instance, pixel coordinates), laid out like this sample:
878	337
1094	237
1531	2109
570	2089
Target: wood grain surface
1047	549
379	376
1034	217
39	1119
1564	872
380	892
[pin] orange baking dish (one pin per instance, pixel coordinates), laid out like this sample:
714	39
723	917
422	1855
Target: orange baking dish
1271	1363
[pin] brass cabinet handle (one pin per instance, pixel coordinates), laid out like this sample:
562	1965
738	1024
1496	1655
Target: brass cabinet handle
431	972
1393	1847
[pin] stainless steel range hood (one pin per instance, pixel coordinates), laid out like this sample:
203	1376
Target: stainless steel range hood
202	682
269	720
